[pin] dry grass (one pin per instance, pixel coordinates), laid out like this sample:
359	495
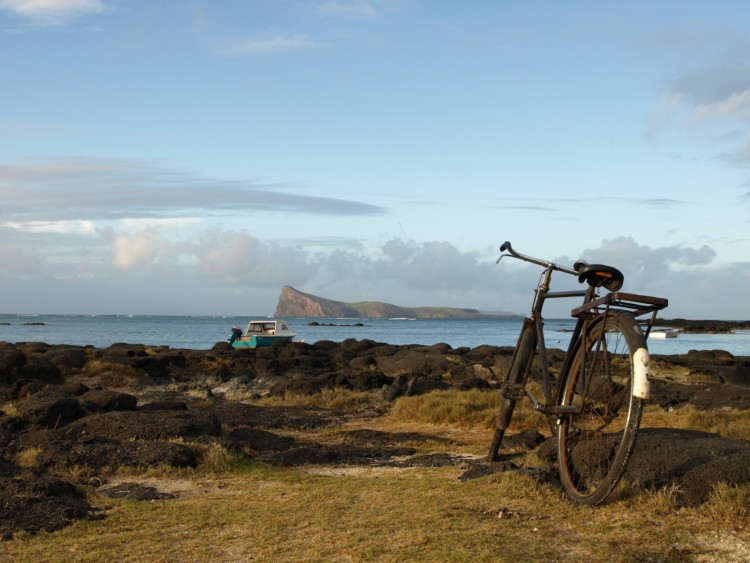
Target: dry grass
728	503
447	407
110	373
27	459
9	409
80	473
726	421
338	399
258	513
467	408
215	458
679	374
233	510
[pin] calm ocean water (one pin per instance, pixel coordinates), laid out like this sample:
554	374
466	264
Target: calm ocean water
201	333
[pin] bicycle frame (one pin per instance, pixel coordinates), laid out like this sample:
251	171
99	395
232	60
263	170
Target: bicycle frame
592	308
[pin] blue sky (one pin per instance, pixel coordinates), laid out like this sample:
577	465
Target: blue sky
193	157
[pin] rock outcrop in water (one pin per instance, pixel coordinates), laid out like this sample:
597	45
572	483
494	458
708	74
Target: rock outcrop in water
294	303
704	326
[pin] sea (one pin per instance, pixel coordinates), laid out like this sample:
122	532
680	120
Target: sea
203	332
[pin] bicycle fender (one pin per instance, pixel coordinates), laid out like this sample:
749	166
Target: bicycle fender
641	373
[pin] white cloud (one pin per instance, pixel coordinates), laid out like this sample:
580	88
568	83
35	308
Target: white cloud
136	251
348	8
735	106
239	259
52	12
82	188
271	44
431	265
141	223
155	250
57	227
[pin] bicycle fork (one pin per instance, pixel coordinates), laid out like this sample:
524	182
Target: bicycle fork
514	388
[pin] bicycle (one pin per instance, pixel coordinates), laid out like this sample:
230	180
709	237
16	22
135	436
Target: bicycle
595	404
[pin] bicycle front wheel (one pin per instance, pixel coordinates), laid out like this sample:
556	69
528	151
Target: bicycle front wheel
595	442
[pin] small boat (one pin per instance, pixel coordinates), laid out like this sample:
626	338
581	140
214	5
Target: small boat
260	334
664	333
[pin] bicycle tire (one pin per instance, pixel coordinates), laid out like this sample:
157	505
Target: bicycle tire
519	369
594	444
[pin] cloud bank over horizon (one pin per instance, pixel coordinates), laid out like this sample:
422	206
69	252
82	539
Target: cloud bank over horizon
231	269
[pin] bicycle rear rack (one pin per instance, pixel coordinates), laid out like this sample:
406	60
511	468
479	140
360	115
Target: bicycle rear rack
637	305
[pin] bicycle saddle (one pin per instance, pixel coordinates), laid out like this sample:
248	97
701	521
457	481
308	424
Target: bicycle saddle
600	275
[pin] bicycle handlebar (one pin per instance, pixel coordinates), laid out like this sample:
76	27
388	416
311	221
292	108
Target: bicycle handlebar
506	247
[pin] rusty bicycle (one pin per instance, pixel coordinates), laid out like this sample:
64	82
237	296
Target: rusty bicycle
595	403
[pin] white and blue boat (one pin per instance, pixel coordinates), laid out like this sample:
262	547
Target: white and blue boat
260	334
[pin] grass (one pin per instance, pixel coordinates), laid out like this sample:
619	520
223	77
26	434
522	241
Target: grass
728	503
258	513
467	408
230	509
446	407
727	422
338	399
27	459
9	409
112	373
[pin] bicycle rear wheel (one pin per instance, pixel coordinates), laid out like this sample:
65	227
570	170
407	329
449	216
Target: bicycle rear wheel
594	444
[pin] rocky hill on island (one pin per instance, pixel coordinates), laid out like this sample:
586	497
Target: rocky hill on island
294	303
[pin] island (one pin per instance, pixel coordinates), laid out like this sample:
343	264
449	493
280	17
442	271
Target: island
295	303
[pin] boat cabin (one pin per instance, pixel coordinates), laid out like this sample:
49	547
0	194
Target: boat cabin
266	328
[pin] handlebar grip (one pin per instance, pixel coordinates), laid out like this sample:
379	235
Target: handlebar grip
505	246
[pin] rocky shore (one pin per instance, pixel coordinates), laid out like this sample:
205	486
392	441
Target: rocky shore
100	409
704	326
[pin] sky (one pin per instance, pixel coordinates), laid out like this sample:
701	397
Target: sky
193	157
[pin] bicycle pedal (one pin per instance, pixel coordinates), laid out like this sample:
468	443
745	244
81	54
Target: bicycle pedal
513	391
